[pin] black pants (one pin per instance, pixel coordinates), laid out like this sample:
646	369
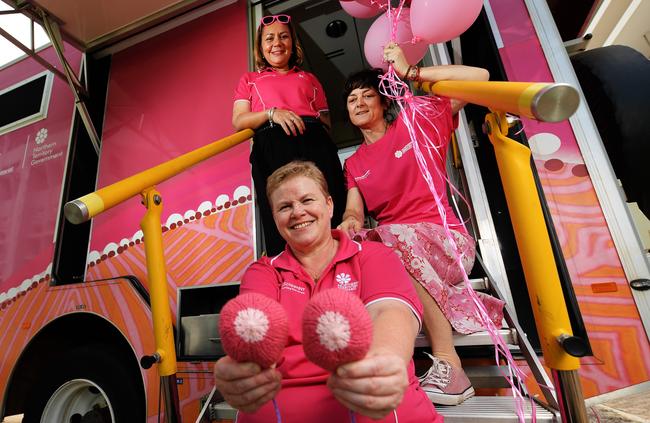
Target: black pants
272	149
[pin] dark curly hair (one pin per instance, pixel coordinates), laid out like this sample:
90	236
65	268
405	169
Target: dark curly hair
368	78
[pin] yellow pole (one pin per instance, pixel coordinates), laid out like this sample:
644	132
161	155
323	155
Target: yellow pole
90	205
548	102
533	243
157	278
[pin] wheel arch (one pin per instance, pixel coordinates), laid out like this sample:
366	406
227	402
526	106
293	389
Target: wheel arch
56	338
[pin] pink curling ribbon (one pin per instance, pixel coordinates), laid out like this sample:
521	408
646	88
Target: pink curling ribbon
416	110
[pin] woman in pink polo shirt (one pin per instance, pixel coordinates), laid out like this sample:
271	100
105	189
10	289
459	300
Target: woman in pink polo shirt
382	387
287	108
384	174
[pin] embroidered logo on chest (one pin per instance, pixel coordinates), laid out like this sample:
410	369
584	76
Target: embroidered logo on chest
362	177
344	281
288	286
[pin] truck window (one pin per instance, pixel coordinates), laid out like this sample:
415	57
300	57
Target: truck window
25	102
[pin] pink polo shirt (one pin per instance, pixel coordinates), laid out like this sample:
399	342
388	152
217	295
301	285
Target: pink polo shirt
389	179
374	273
296	90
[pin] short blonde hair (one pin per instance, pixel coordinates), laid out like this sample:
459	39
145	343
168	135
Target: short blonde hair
292	170
297	54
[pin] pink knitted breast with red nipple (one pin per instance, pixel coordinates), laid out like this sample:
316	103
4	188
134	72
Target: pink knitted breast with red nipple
254	327
336	329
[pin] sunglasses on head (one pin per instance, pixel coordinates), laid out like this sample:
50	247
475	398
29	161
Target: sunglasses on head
268	20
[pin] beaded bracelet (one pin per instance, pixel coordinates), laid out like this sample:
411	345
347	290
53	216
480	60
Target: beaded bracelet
413	73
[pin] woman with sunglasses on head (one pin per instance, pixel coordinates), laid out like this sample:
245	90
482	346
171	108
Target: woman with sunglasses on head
287	108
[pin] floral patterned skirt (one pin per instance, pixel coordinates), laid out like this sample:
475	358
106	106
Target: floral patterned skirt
427	255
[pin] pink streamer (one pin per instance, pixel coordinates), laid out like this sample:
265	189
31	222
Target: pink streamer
414	110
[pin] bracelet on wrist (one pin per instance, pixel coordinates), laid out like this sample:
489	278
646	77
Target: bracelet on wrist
270	115
413	73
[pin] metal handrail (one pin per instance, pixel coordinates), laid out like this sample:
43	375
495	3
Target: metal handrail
546	102
90	205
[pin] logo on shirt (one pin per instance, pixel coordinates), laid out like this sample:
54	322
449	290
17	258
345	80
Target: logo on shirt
364	176
344	281
400	153
288	286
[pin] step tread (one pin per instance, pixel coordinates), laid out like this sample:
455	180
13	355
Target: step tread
475	409
473	339
492	409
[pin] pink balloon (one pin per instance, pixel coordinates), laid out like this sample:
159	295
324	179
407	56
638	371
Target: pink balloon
358	10
437	21
379	35
374	3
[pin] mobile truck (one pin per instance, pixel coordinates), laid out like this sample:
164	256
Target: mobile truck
125	87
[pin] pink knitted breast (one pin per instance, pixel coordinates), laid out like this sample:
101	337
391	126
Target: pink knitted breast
254	327
336	329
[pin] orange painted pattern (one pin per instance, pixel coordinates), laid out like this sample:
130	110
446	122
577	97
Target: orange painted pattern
620	345
213	249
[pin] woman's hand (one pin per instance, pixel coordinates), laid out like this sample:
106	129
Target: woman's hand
373	386
350	226
289	121
394	54
244	385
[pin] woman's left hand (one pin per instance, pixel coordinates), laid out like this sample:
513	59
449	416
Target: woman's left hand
291	123
373	386
395	55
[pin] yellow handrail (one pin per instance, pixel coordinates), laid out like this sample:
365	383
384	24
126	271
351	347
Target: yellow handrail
90	205
540	269
533	243
547	102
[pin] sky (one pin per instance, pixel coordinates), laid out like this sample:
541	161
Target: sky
18	26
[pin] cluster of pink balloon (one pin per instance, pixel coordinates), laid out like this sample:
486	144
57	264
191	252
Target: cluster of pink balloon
424	22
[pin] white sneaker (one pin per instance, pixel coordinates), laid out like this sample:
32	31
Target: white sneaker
445	384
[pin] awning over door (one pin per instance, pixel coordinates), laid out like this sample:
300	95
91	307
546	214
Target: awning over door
93	24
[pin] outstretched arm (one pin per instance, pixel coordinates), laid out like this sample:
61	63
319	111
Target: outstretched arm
393	53
375	385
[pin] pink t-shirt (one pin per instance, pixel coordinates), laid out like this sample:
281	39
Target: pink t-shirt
296	90
388	176
374	273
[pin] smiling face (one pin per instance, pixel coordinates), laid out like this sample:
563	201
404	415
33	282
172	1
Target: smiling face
366	108
276	45
302	212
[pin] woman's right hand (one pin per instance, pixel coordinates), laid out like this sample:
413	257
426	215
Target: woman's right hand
290	122
394	54
350	226
245	386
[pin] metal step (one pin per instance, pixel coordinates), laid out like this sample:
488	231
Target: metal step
487	376
473	339
222	411
475	409
492	409
480	284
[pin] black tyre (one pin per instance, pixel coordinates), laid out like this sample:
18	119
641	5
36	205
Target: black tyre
89	384
616	84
